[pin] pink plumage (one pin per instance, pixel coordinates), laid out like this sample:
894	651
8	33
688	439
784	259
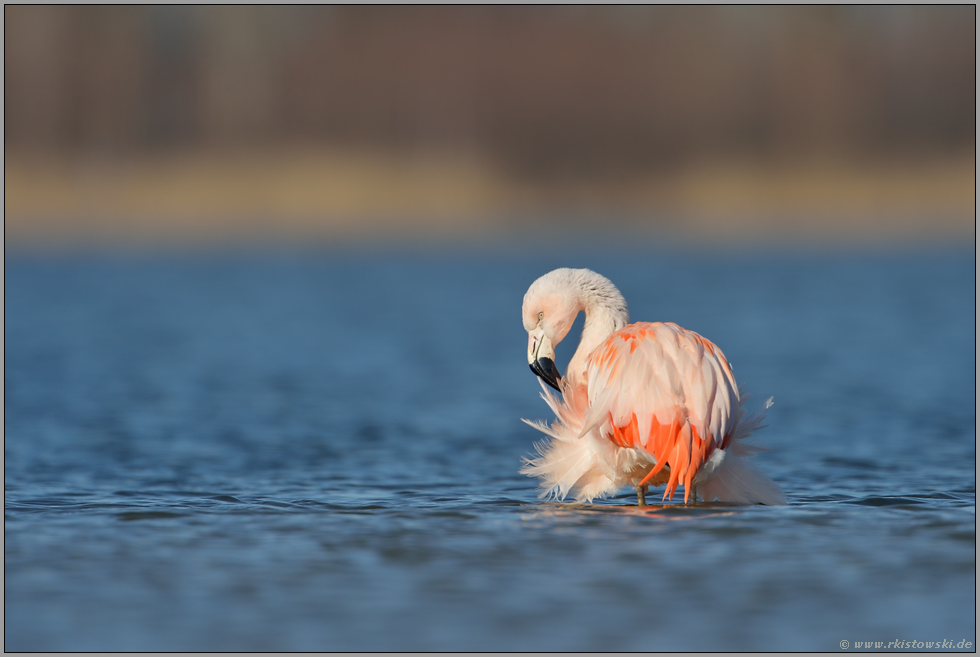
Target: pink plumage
643	404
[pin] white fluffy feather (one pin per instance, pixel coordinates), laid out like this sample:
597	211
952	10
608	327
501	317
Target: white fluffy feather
588	466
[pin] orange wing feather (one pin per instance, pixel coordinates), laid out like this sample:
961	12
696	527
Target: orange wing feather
666	390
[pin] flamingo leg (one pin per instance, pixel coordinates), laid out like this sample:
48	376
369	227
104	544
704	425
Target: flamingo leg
694	494
641	495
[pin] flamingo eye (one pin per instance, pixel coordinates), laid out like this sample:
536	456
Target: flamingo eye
540	316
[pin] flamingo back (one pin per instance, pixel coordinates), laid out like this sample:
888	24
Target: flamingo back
665	390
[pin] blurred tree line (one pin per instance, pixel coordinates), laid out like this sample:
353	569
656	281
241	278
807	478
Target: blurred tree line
542	90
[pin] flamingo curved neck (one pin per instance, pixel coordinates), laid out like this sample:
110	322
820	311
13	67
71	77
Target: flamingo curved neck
603	316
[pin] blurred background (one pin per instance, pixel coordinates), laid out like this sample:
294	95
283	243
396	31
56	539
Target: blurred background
264	366
241	124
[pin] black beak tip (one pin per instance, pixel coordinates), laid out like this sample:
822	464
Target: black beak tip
545	368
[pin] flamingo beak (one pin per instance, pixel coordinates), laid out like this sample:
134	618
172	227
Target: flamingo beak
541	358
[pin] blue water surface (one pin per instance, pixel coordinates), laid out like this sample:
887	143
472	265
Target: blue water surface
320	451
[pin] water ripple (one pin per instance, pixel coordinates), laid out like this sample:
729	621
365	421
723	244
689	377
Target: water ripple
321	454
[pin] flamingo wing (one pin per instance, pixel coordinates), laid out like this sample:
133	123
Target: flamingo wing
665	390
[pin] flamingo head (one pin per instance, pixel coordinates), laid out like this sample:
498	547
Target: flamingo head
550	307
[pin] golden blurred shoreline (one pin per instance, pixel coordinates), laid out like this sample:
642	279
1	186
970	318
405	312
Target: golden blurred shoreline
331	196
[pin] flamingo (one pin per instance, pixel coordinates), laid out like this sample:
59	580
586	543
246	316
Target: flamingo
644	404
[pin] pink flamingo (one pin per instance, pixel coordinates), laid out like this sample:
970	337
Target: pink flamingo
643	404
